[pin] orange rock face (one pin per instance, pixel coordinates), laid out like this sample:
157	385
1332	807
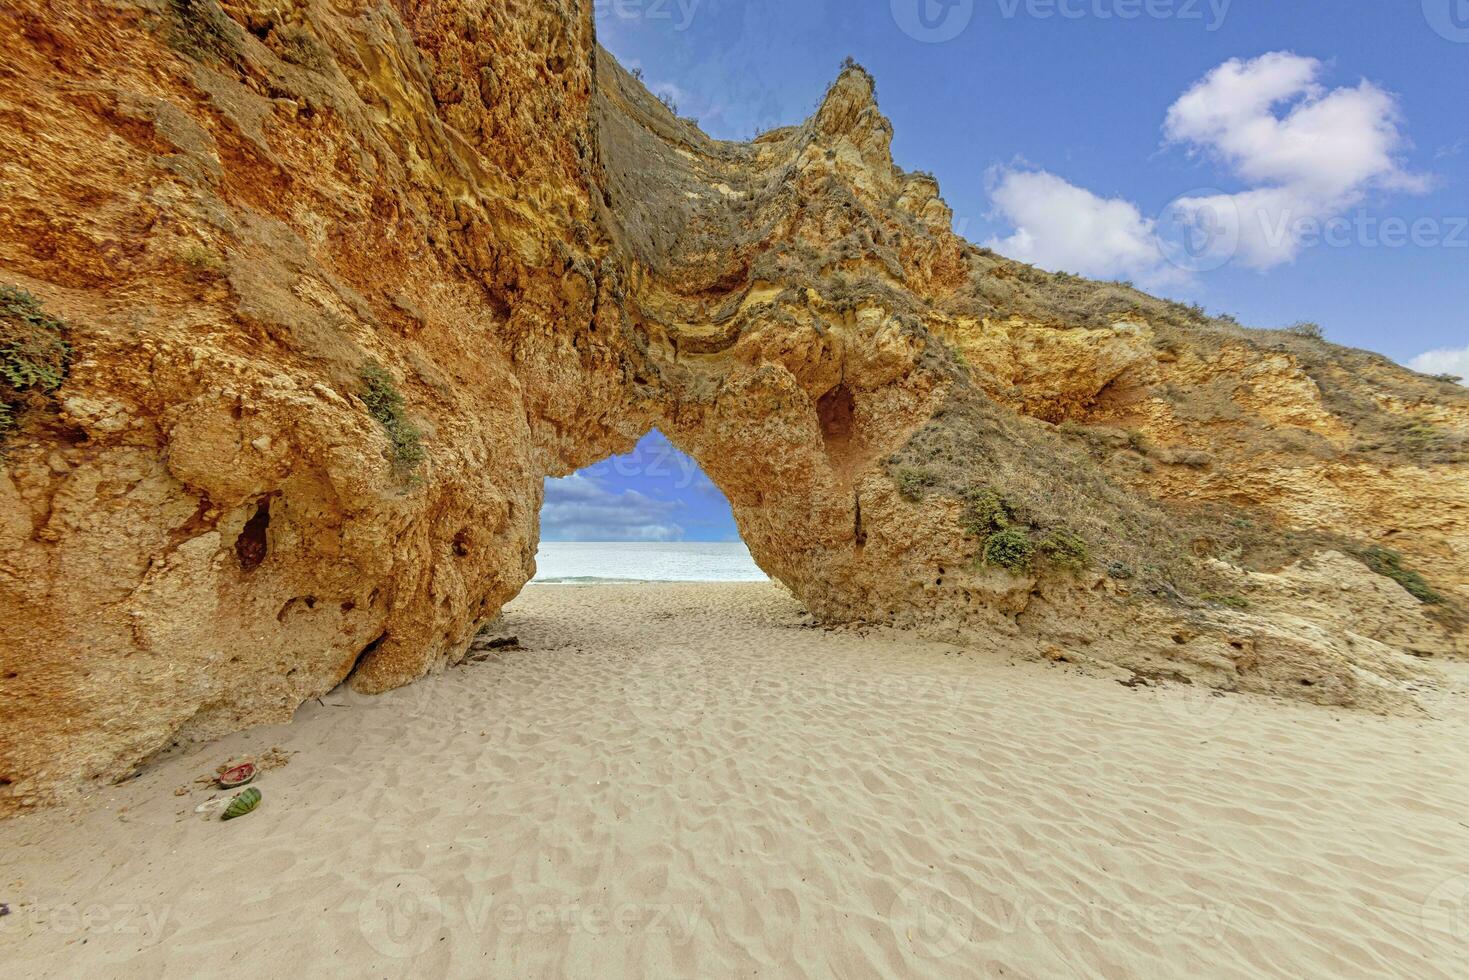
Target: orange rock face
341	281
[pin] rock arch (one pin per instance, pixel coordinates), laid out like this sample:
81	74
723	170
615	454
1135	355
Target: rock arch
344	283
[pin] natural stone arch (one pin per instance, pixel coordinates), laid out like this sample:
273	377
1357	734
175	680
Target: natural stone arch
238	209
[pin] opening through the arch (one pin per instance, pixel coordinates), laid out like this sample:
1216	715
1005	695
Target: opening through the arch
647	515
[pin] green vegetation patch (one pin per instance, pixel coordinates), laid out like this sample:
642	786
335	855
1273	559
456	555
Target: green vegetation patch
385	403
1389	564
1009	541
986	512
202	261
914	482
1010	549
34	354
1065	549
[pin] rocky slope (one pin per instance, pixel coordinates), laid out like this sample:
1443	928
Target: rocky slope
305	298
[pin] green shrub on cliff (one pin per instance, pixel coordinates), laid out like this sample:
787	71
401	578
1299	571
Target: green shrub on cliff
913	482
986	512
385	403
34	354
1389	563
1009	549
1065	549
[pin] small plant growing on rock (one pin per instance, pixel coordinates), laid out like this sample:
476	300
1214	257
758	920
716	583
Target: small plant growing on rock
986	512
1238	603
1308	330
1421	436
1066	549
1389	563
299	47
34	354
202	261
385	403
1009	549
913	482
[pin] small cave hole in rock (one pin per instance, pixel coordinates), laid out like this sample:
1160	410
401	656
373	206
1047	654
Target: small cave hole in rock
366	652
649	515
835	410
253	543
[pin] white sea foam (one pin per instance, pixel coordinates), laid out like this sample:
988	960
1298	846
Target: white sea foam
570	563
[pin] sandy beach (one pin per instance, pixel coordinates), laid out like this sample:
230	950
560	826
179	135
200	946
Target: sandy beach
694	781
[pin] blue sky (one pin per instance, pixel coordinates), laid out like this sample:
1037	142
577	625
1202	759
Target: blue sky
654	493
1314	153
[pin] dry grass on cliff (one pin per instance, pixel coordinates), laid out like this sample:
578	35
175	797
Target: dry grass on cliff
1354	384
1052	484
1010	472
203	31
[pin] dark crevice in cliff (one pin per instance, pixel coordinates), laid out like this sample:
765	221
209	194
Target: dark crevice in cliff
253	544
362	657
835	409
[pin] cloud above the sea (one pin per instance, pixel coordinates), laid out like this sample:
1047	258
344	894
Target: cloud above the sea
581	508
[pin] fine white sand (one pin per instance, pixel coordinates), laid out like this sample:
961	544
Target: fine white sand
692	781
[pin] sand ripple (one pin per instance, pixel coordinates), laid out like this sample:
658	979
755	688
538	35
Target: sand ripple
690	781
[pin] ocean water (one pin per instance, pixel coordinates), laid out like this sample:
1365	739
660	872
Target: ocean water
570	563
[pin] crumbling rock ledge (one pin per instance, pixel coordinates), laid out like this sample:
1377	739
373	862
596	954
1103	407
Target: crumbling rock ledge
343	280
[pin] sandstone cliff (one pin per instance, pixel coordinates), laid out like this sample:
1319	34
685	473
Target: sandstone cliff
306	297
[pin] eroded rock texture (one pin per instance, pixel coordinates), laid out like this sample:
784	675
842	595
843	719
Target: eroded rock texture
263	224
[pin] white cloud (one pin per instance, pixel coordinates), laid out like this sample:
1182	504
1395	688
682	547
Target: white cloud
578	508
1311	153
1455	362
1061	226
1307	155
1328	142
